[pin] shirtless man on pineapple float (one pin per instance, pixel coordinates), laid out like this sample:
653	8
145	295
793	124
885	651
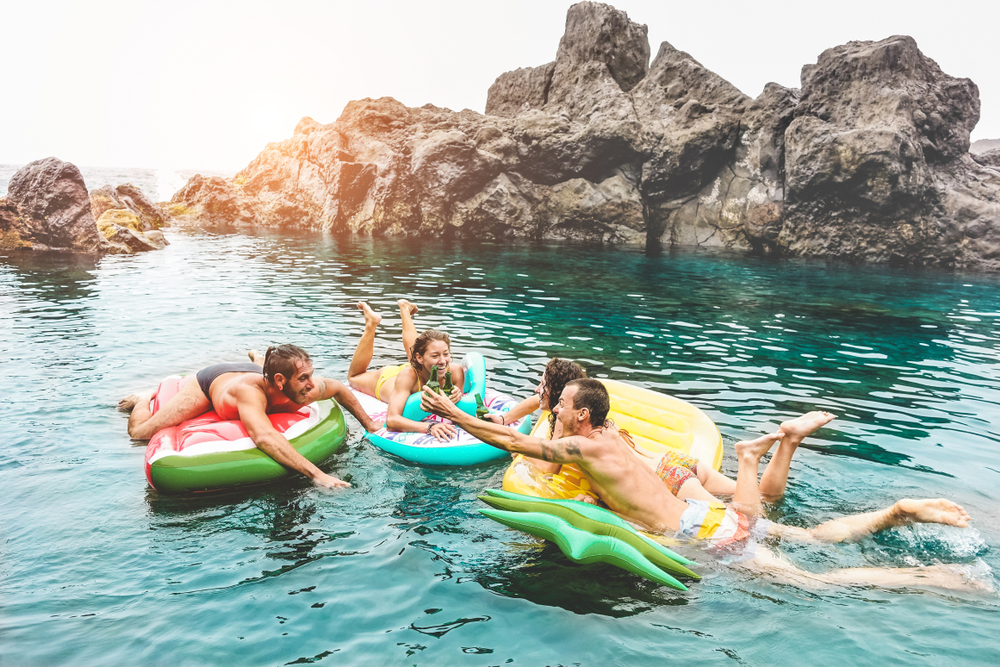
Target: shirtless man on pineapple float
280	381
633	490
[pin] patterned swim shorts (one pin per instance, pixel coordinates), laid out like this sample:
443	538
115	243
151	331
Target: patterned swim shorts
675	469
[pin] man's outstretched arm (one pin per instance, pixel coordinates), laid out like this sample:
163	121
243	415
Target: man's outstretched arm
252	404
564	450
341	393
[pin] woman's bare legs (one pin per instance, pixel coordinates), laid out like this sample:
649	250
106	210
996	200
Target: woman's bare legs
406	311
358	374
256	357
775	477
746	498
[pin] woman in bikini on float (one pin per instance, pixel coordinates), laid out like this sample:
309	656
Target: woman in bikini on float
395	384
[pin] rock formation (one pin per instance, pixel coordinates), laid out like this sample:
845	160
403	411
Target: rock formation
48	208
868	161
125	215
990	158
984	145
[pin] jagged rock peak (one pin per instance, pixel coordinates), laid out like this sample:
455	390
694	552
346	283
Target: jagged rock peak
891	82
601	33
596	36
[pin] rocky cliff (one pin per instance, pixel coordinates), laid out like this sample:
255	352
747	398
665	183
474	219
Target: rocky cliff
48	208
867	161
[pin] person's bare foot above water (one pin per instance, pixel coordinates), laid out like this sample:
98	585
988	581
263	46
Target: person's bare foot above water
933	510
806	424
404	305
371	317
754	449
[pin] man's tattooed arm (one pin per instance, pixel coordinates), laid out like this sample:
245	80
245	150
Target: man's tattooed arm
560	451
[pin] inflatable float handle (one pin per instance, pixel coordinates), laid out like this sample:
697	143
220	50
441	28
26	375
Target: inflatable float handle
475	383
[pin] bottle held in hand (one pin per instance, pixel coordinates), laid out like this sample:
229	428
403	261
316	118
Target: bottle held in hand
481	409
433	383
449	384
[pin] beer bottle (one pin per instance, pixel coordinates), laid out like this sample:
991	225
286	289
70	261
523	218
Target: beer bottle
481	409
433	383
448	385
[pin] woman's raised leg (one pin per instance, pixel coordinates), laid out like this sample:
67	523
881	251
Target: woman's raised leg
365	350
406	311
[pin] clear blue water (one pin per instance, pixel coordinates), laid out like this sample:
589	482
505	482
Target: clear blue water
97	569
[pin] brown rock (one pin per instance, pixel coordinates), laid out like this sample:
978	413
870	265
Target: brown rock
53	208
868	162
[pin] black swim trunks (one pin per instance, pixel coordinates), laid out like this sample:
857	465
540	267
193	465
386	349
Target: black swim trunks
206	376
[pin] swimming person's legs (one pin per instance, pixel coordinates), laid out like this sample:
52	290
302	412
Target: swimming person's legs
781	570
855	527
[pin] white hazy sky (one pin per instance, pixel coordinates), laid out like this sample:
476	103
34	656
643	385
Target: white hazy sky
205	84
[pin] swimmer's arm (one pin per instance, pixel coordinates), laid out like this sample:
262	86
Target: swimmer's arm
406	384
252	406
519	411
564	450
339	392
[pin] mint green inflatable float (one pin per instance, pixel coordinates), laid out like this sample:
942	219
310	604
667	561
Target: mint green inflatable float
589	534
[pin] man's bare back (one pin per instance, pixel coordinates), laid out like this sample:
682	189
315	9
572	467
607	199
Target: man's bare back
622	481
250	396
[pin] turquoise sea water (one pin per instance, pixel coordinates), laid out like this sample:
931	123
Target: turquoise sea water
98	569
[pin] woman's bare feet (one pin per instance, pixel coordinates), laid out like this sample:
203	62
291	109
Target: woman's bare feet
802	426
371	317
256	357
937	510
752	450
129	402
406	305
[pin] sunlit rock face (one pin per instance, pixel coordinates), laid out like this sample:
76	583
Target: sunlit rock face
868	161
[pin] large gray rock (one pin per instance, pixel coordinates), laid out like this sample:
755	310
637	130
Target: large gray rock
869	161
878	145
51	209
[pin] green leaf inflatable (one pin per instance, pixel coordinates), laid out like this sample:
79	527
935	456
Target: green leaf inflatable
586	533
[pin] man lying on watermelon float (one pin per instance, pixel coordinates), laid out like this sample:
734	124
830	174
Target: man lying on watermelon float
281	381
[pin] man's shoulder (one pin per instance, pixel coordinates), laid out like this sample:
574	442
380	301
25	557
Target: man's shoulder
249	387
603	439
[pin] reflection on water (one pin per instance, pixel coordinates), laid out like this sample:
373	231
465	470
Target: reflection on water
402	568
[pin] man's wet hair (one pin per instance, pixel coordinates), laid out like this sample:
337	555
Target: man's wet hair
591	394
283	359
